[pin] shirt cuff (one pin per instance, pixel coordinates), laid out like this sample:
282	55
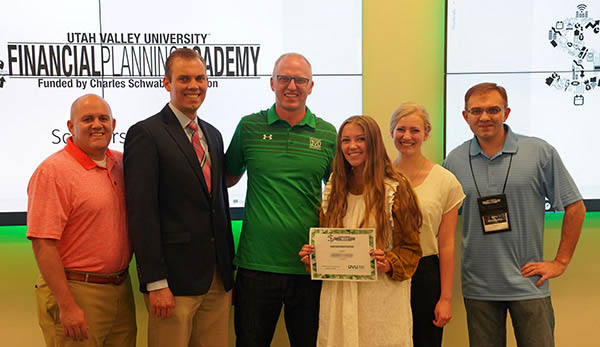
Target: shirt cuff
156	285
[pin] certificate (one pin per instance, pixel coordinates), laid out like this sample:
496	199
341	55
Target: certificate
342	254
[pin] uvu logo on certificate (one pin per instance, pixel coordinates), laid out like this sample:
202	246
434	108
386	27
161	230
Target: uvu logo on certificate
343	254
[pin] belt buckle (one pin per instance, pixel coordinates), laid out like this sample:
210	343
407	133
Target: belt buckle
120	278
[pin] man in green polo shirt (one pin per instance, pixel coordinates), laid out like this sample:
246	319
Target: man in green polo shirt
288	152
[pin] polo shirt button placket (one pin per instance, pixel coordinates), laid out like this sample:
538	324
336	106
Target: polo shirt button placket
287	144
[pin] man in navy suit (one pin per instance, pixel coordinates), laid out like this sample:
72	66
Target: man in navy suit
178	214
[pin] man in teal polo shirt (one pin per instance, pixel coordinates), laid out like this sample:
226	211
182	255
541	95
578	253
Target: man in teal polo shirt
506	178
287	152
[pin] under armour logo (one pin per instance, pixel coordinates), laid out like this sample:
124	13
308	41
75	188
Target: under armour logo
270	136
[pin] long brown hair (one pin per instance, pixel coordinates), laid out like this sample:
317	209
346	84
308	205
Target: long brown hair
377	167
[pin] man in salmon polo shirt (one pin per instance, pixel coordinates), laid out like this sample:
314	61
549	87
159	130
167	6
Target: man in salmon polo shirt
76	222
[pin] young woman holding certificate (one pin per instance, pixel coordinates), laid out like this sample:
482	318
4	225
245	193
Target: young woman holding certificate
440	195
364	191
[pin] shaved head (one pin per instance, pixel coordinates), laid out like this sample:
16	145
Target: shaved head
91	125
287	55
86	99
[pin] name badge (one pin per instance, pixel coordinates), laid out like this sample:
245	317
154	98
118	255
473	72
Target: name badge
493	210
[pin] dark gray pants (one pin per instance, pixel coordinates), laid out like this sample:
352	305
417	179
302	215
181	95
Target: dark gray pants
533	322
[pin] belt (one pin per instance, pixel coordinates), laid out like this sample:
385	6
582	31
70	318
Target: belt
91	277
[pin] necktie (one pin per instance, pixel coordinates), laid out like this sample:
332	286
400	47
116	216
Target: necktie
200	153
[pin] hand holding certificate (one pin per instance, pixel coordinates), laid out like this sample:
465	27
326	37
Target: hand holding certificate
343	254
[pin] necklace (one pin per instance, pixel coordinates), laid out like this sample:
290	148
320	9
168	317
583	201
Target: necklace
413	175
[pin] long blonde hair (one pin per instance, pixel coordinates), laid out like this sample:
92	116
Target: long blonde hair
377	167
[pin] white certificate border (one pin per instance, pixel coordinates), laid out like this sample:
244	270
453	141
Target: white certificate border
352	231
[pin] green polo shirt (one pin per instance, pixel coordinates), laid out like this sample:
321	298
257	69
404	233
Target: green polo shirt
286	167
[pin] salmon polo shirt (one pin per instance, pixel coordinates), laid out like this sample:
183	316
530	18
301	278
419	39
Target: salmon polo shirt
81	205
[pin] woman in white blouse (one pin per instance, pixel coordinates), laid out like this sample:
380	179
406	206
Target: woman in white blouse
440	195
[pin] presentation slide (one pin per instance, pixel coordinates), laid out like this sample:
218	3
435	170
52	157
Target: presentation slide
546	53
53	52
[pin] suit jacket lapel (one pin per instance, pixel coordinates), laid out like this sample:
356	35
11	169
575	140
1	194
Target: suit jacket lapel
174	129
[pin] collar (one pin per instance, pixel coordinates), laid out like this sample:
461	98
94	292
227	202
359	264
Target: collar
510	144
81	157
182	118
308	120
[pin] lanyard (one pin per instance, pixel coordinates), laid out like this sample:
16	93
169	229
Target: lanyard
472	174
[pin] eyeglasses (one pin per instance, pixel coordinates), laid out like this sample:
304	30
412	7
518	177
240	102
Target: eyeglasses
299	81
492	110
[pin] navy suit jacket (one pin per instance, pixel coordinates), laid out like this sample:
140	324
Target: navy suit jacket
179	230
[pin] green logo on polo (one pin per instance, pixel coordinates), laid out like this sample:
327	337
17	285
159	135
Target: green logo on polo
315	143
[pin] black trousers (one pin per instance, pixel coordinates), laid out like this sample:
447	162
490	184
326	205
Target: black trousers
424	295
258	299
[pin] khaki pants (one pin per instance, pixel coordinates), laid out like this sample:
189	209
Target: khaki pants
197	321
109	310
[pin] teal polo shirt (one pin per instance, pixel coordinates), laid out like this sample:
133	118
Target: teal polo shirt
491	263
286	167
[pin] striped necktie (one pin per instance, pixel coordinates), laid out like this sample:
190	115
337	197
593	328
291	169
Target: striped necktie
200	153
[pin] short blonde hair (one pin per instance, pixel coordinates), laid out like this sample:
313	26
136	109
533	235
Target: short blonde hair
407	109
